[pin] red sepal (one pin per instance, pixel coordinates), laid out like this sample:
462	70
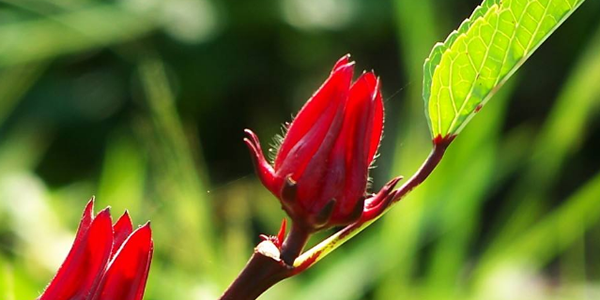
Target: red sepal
126	276
80	273
122	229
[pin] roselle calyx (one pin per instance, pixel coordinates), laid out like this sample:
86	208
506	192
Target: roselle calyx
320	172
106	261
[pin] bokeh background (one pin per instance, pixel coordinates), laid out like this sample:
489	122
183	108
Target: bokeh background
143	103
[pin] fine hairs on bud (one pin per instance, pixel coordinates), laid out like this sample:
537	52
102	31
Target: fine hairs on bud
277	141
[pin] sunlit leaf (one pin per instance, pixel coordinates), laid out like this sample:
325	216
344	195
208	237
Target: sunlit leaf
438	49
462	73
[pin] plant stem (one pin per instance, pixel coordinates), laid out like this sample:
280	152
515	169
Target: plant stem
268	265
434	158
260	273
294	243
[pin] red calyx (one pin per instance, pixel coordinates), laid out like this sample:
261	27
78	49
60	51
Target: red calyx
321	170
105	261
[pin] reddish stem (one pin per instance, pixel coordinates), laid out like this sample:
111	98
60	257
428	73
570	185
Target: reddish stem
439	148
263	270
294	243
260	273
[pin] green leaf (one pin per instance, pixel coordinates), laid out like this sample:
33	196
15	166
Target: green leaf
438	49
466	70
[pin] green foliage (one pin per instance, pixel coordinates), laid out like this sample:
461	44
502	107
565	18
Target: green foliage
465	71
70	32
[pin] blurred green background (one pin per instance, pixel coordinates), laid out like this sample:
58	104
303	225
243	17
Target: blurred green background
143	102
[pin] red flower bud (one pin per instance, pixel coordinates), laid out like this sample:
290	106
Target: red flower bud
320	172
106	262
